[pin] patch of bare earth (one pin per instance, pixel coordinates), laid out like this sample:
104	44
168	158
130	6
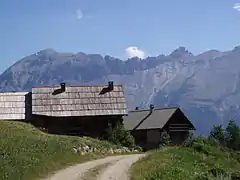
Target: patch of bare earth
120	169
91	174
113	167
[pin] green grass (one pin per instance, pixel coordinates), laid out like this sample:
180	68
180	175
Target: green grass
27	153
198	162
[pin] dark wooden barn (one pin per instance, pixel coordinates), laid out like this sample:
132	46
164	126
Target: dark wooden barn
78	110
148	125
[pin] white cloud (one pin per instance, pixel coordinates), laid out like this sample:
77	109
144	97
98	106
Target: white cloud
133	51
79	13
237	6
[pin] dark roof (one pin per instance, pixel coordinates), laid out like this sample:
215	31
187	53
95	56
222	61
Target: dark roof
144	119
79	101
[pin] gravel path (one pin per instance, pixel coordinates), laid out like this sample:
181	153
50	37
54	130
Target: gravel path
118	168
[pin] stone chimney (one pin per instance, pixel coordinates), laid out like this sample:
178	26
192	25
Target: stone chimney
110	85
151	107
63	86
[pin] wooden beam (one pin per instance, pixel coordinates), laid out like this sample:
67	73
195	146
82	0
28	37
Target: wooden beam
179	130
179	124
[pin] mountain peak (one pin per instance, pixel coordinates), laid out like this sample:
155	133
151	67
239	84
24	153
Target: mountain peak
236	48
210	54
46	51
180	52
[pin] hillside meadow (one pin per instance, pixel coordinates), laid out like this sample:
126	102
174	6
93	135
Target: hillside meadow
202	161
27	153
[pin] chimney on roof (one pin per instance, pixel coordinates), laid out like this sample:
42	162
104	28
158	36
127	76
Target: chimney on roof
136	108
151	107
63	86
110	85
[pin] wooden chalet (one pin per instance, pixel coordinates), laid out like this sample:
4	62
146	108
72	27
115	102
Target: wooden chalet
148	125
80	110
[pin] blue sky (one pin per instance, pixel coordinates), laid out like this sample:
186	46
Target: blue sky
110	26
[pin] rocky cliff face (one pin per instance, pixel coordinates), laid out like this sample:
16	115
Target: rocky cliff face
205	86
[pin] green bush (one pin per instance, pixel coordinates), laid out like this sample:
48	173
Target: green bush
189	141
228	137
201	148
165	139
233	135
219	134
119	136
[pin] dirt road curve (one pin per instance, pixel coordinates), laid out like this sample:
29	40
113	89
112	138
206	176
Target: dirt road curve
117	169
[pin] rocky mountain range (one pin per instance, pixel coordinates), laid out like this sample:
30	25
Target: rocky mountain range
205	86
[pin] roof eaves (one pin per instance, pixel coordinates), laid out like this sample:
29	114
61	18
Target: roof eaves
55	86
155	109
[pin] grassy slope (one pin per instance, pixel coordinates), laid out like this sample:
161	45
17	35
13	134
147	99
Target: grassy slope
26	153
185	163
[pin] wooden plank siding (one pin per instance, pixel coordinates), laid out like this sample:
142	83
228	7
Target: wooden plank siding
179	127
15	105
78	101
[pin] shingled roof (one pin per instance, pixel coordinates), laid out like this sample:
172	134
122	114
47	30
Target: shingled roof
79	100
147	119
15	105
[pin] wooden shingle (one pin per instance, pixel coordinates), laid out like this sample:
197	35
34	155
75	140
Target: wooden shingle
78	101
15	105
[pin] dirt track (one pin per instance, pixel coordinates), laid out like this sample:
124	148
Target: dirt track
117	169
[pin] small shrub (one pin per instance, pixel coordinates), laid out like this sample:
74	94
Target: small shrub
165	139
219	134
201	148
228	137
119	136
201	145
200	139
128	140
212	142
189	140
